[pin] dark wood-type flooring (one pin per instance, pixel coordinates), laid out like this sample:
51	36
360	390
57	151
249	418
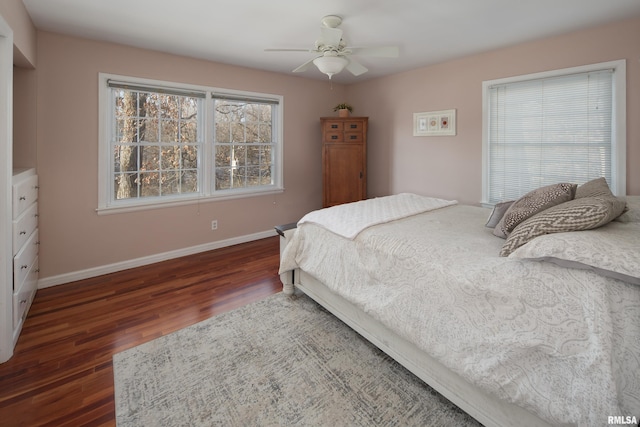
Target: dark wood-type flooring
61	373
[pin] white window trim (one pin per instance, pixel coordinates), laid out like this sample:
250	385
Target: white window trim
106	205
619	126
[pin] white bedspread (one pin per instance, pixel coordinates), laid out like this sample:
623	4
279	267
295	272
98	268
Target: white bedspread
349	219
562	343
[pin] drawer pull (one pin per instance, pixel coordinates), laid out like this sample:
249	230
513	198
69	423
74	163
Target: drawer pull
22	233
23	301
334	126
334	136
353	136
36	187
22	198
354	126
23	267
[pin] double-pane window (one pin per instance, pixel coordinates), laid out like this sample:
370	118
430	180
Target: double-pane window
244	144
156	144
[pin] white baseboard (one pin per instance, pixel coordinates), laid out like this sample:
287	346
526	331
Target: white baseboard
139	262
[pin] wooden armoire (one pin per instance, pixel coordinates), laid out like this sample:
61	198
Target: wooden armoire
344	160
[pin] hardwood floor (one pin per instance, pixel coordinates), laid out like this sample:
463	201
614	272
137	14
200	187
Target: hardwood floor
61	372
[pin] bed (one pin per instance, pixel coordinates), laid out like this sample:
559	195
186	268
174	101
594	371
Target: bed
546	333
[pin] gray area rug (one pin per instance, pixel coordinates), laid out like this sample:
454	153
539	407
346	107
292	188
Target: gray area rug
277	362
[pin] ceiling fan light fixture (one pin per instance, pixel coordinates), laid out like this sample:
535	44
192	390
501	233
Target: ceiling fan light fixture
330	65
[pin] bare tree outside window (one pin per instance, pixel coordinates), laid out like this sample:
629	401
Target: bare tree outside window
157	144
164	142
243	144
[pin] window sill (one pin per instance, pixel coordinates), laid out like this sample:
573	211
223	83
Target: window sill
161	204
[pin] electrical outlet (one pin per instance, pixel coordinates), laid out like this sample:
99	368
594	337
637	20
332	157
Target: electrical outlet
214	224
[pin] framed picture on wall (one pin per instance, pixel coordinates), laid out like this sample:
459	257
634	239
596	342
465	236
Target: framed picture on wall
434	123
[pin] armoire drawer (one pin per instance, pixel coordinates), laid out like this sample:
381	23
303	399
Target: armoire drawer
23	296
333	126
24	226
353	137
24	260
25	192
333	137
353	126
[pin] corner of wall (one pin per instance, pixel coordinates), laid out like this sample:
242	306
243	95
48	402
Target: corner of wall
24	32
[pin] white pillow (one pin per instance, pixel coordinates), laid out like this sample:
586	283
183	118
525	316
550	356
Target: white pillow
612	250
497	213
633	210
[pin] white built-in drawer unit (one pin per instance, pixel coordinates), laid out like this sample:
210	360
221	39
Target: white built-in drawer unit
25	243
24	226
25	191
23	296
24	260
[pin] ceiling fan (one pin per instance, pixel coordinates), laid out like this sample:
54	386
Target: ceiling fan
333	53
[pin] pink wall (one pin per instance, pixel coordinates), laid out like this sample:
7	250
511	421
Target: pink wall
74	237
25	99
451	167
24	82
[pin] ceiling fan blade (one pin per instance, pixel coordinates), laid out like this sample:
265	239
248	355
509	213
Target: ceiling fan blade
330	36
380	52
355	67
289	50
304	66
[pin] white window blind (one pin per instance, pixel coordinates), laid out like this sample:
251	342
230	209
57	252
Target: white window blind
549	130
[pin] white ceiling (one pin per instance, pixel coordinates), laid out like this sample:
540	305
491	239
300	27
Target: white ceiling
238	31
